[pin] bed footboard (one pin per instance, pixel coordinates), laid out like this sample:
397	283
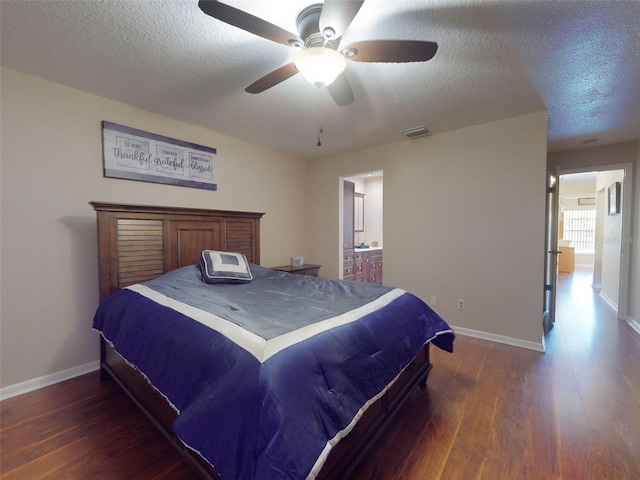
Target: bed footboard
352	449
342	459
151	403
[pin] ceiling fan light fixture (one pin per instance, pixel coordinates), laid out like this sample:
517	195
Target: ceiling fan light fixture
320	65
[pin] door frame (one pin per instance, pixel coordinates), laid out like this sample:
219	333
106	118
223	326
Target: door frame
626	207
552	205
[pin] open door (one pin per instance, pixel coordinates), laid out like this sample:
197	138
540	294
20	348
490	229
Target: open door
551	249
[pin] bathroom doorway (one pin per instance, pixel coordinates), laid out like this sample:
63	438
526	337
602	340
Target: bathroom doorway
361	204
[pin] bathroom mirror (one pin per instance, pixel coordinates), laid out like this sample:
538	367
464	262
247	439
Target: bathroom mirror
358	212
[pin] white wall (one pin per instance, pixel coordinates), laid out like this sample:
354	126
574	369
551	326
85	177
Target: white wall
463	218
611	241
373	211
633	312
373	189
51	155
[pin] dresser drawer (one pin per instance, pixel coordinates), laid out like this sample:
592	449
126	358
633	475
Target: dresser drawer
348	273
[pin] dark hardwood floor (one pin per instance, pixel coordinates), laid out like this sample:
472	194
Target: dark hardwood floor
490	411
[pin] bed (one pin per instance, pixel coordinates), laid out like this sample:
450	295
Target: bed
300	400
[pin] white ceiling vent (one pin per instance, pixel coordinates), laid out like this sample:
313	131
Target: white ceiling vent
416	132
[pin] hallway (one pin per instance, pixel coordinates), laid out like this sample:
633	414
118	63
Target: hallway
587	326
580	312
596	377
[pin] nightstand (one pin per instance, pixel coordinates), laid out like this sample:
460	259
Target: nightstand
305	269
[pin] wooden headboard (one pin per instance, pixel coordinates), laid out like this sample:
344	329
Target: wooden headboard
141	242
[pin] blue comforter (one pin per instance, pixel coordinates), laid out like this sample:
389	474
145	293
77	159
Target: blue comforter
268	376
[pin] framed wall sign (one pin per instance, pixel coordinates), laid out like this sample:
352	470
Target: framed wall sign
614	198
136	155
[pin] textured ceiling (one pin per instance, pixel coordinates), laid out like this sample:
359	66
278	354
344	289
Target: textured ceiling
496	59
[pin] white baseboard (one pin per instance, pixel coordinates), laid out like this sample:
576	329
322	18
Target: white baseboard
634	324
516	342
612	303
46	380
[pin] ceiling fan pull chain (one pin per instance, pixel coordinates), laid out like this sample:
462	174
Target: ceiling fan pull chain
319	132
320	129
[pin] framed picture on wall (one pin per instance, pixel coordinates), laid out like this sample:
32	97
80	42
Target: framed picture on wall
614	198
133	154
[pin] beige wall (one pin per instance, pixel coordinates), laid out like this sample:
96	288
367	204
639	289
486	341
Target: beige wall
51	158
463	218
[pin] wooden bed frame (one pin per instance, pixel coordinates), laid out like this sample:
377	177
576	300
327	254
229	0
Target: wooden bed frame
138	243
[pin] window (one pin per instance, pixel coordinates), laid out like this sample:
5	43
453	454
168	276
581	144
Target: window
580	228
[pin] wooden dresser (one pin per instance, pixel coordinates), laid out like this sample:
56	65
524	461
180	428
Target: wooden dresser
566	259
367	265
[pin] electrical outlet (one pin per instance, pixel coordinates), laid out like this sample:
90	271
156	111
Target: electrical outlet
434	300
460	304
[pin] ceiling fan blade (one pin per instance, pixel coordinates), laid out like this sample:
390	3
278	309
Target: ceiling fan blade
396	51
246	21
340	90
272	79
338	15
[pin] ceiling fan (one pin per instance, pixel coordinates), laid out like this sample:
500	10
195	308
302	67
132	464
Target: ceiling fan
322	59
